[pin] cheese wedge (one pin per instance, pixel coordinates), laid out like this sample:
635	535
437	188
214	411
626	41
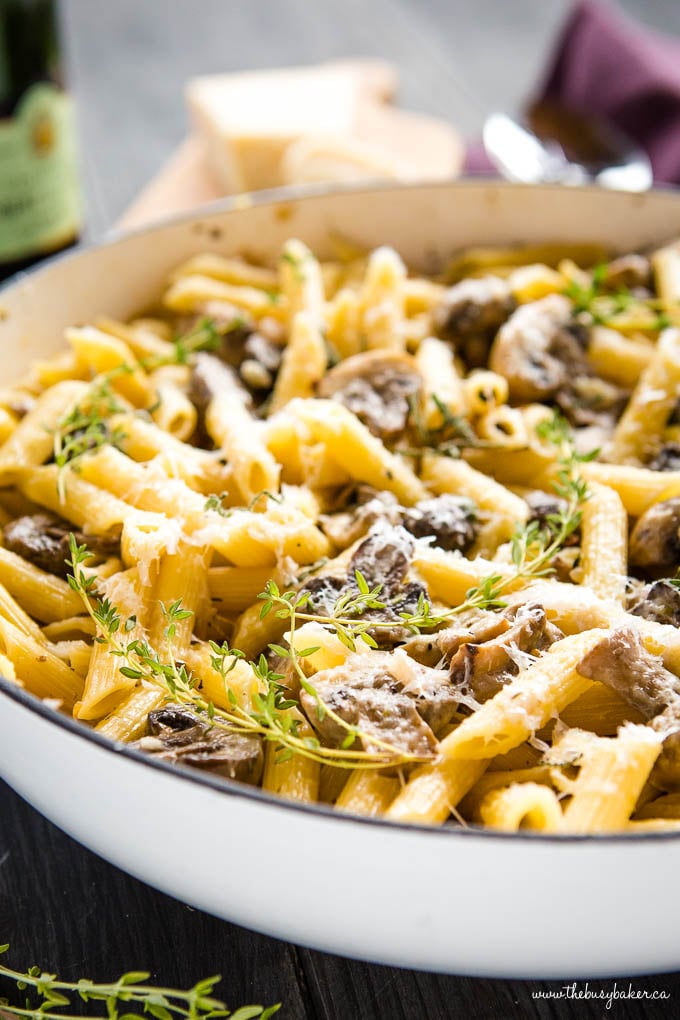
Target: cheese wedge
247	120
431	148
315	160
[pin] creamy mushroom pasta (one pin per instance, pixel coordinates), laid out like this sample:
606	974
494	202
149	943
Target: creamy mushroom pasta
406	546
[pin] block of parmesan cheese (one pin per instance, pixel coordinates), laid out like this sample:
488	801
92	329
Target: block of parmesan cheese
316	160
247	120
431	148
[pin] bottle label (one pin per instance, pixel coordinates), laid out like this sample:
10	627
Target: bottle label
39	193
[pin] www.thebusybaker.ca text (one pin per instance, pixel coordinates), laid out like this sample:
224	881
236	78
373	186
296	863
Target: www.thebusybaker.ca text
608	995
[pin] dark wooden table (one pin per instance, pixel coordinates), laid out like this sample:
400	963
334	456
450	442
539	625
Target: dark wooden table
59	904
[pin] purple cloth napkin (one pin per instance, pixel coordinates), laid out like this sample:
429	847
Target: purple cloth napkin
606	65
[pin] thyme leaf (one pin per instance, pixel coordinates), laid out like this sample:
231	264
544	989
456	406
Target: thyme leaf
598	305
131	991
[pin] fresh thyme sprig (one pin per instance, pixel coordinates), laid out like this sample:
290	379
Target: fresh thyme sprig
597	305
534	546
297	264
206	335
449	439
346	618
216	502
269	717
131	992
85	428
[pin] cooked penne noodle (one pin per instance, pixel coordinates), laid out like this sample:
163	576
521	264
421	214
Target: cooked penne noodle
229	270
619	359
148	339
301	284
173	411
355	449
666	264
382	301
105	686
483	391
304	361
37	668
599	710
191	293
233	429
640	428
42	595
295	778
100	353
455	476
367	793
522	806
237	686
129	720
612	773
638	487
604	541
442	385
433	791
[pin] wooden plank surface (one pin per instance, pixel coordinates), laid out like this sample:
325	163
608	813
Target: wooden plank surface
59	904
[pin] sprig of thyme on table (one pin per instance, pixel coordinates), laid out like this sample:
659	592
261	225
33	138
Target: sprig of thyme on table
131	992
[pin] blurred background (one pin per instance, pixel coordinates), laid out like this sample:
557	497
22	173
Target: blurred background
128	62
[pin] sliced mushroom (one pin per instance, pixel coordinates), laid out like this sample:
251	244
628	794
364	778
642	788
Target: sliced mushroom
589	400
386	697
347	527
473	307
534	350
377	387
628	272
43	540
660	602
179	735
543	505
622	662
450	520
254	353
655	539
481	668
667	458
383	559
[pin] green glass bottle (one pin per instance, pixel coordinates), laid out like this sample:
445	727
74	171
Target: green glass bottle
40	211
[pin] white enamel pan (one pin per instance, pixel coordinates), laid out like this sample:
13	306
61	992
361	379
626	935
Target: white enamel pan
437	899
